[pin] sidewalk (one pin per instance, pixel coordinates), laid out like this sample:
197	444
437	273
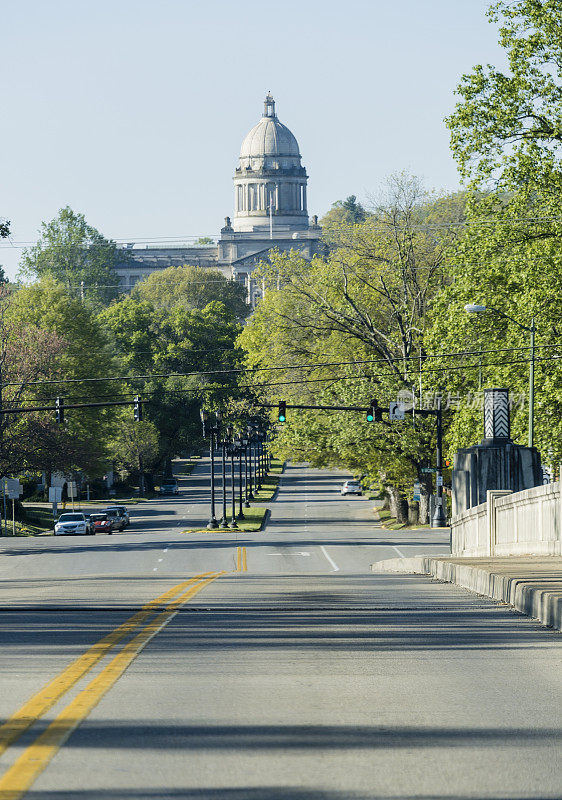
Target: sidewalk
531	584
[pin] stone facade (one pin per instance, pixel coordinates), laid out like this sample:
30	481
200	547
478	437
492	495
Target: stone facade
270	212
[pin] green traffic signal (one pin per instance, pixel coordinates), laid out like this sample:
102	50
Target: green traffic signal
282	412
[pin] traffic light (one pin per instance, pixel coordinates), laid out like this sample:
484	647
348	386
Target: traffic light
282	413
448	463
59	410
137	409
374	414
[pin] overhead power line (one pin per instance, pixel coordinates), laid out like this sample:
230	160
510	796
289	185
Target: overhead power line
199	390
191	239
251	370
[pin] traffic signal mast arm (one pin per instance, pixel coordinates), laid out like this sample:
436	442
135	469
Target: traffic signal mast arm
69	405
321	408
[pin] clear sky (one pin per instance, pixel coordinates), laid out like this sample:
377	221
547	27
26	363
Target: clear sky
132	111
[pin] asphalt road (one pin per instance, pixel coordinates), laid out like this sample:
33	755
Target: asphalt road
285	671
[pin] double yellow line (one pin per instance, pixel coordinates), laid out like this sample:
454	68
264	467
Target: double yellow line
27	768
241	560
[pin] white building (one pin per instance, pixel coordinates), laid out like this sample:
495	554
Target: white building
270	211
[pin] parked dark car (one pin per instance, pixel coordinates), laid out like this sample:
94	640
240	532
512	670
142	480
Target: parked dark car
118	519
124	513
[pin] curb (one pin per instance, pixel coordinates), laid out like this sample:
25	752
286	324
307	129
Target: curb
534	595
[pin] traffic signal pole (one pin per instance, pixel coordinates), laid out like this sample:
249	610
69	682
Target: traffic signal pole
374	414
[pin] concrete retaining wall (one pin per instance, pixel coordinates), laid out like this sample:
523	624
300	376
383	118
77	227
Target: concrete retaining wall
521	523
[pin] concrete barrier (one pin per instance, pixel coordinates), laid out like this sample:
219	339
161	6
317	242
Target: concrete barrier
519	523
532	586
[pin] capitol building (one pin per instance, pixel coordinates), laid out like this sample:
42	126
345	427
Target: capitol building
270	212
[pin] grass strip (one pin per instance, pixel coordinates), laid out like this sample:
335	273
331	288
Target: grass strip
252	523
390	523
253	519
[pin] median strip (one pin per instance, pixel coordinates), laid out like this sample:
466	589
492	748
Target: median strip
33	761
50	694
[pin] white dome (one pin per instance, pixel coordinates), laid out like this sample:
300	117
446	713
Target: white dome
269	137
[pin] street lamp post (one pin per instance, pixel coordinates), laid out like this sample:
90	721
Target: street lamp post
473	308
213	431
250	495
232	451
439	519
245	453
257	461
239	451
224	520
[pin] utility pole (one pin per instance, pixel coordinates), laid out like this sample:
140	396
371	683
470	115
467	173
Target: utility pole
439	520
532	331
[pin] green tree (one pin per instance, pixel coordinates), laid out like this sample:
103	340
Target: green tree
508	125
135	446
4	228
192	288
73	252
166	343
507	131
79	352
344	212
504	262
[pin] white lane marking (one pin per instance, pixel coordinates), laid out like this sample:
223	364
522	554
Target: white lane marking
160	559
165	550
331	561
155	569
400	553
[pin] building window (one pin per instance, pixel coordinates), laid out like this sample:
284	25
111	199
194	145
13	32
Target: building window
133	279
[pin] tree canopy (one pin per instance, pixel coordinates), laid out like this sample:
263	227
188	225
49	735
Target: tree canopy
508	125
192	288
73	252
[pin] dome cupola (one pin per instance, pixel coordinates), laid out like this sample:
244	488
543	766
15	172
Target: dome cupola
269	137
270	182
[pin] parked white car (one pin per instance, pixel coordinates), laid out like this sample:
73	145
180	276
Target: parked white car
351	487
72	523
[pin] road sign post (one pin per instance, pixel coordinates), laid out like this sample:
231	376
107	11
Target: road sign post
55	496
13	487
71	491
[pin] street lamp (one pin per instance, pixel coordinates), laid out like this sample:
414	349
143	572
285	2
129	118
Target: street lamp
250	494
231	452
224	519
238	450
244	451
213	431
473	308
